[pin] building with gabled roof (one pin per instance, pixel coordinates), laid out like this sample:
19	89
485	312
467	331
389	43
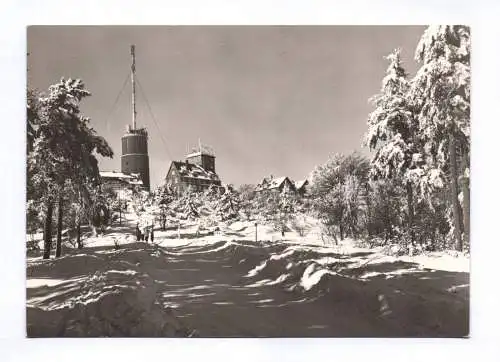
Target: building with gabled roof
196	173
279	184
301	186
119	181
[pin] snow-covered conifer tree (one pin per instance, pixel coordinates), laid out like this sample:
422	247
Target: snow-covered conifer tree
442	87
228	204
393	133
63	150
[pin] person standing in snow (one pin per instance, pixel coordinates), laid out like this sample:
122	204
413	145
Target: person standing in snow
102	221
152	234
137	232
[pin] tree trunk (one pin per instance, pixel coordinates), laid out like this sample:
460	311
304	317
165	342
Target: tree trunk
78	236
464	185
454	192
341	223
387	218
59	227
96	221
47	232
368	213
409	196
79	217
387	228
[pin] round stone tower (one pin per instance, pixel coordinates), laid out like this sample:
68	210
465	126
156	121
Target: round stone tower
135	159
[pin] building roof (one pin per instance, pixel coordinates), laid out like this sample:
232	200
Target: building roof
132	179
191	170
276	182
299	184
136	182
271	183
115	175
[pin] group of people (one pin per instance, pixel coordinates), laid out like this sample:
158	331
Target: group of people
145	234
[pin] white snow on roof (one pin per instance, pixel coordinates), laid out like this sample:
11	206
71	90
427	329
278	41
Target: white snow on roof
269	184
192	170
299	184
276	182
113	174
132	179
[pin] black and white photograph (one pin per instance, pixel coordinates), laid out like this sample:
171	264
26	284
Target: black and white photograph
248	181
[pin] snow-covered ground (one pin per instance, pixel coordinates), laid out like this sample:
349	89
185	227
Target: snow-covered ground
115	273
189	233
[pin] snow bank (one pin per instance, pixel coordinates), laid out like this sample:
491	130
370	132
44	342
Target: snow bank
311	267
257	269
312	276
240	225
106	310
202	249
441	261
85	295
395	293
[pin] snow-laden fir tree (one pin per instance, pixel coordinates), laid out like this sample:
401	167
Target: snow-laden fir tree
227	206
187	205
163	197
63	152
442	88
283	209
393	133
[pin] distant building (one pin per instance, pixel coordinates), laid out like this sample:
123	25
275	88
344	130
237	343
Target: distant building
119	181
280	184
283	185
196	173
301	187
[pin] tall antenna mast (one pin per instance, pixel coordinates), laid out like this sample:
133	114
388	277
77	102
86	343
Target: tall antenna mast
134	113
199	145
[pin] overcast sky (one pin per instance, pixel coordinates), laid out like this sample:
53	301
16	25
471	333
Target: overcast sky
269	100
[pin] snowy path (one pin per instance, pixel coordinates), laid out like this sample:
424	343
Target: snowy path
212	296
239	289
